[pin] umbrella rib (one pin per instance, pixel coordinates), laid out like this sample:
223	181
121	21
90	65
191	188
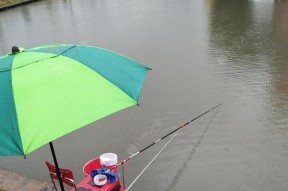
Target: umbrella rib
38	60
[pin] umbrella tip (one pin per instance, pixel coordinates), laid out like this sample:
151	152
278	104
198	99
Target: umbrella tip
15	50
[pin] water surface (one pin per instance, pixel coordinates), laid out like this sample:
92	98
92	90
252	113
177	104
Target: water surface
201	53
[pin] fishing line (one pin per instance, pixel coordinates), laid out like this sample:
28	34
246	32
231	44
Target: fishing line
142	150
193	151
174	181
152	160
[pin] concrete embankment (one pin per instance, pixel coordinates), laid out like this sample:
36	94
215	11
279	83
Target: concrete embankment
7	4
11	181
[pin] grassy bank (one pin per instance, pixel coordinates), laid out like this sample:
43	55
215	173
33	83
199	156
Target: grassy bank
9	2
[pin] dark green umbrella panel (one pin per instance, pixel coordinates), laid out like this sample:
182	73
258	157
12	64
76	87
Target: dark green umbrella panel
49	91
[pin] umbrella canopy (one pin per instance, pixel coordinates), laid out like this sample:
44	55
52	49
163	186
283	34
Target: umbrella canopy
49	91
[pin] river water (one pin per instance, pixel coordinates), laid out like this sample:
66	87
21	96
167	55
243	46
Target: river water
202	52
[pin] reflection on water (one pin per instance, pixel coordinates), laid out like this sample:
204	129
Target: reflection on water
279	68
201	52
250	46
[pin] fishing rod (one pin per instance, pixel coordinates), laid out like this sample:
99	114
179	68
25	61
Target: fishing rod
199	141
175	130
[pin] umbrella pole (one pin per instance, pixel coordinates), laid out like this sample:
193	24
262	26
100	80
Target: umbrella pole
57	167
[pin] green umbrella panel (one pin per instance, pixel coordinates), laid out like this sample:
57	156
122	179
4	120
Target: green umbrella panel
47	92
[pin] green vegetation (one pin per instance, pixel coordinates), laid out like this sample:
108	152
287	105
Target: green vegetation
9	2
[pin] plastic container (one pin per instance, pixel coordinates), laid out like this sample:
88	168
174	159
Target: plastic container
100	179
108	159
91	165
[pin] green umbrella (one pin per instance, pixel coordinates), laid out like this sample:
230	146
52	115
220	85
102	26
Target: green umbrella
49	91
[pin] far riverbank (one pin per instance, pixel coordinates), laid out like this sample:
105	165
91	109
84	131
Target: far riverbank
6	4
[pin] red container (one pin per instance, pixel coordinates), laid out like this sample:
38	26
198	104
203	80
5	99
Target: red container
93	165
